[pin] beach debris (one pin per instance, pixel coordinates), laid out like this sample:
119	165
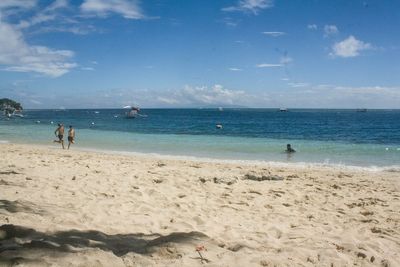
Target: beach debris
263	177
335	186
9	172
227	181
339	247
160	164
361	255
195	166
202	180
198	250
157	181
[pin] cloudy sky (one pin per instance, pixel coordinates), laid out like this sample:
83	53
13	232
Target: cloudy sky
200	53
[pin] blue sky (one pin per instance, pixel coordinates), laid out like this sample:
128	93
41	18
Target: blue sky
253	53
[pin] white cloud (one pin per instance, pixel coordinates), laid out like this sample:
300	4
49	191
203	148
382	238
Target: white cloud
39	18
274	34
310	96
230	22
19	56
235	69
216	95
330	30
57	4
349	47
168	101
78	30
312	27
250	6
49	13
35	102
102	8
333	96
268	65
285	60
295	85
17	3
87	68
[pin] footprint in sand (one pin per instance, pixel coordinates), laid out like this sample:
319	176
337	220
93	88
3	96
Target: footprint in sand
198	220
275	232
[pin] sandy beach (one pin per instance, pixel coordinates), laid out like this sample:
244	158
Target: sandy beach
77	208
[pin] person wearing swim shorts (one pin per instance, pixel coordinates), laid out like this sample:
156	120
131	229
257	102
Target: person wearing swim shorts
71	136
59	132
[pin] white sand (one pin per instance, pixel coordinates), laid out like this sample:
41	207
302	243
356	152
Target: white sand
74	208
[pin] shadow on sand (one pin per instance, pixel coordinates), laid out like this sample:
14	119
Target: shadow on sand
18	206
20	239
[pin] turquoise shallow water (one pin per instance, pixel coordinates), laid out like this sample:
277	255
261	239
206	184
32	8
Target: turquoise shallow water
208	145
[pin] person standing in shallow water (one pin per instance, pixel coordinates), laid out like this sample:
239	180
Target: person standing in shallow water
71	136
59	132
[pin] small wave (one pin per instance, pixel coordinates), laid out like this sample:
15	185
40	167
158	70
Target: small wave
4	141
281	164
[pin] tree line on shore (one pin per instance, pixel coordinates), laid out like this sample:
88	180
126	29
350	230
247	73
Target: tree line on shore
9	106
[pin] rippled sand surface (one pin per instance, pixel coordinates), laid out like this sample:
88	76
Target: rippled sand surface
75	208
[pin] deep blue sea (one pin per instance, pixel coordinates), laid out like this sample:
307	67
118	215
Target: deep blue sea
346	137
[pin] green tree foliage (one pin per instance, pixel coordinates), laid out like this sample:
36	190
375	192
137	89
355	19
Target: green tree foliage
6	103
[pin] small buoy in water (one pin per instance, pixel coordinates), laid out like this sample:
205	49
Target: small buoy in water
218	126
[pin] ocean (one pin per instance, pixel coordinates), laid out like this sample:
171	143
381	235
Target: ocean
344	137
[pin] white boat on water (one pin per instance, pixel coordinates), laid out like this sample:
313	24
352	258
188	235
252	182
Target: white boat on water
132	113
15	113
283	109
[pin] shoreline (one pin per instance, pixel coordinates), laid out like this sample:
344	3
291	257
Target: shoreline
71	207
393	168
